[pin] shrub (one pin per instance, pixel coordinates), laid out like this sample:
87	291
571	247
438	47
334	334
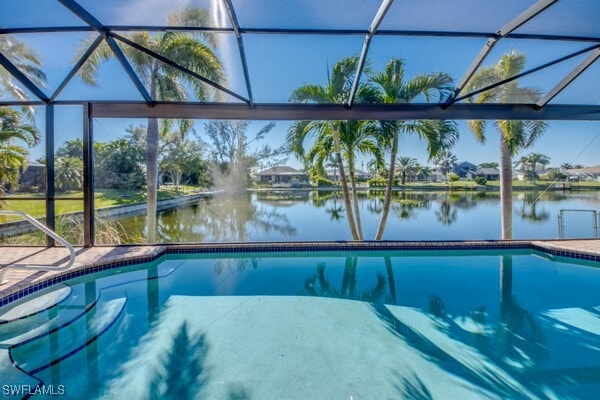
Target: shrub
452	177
323	182
480	180
377	182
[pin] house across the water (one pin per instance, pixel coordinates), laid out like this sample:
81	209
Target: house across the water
281	174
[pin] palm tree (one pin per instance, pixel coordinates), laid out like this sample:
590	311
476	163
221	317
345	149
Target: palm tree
565	166
13	157
68	173
523	164
192	51
535	159
405	166
358	137
445	162
423	172
514	135
394	89
329	133
27	61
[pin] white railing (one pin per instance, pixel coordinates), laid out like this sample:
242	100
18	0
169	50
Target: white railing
48	232
595	221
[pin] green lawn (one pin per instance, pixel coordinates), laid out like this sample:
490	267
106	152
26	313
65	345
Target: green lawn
103	198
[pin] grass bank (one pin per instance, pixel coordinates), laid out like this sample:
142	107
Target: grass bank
67	202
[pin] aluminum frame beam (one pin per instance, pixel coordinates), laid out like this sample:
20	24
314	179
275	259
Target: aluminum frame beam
128	69
341	112
88	176
89	19
21	77
578	70
240	40
298	31
50	175
177	66
518	21
528	72
76	67
383	9
83	14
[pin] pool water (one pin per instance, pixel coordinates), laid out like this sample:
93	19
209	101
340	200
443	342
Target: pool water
312	325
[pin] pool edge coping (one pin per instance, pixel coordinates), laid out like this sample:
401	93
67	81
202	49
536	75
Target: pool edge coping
28	286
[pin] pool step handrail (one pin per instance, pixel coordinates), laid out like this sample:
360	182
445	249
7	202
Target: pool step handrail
595	221
48	232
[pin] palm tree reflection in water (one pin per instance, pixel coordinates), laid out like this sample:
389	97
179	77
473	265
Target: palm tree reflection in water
319	285
516	344
528	209
184	372
232	218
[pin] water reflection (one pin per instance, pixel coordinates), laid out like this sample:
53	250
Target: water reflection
183	371
446	215
318	284
219	219
528	207
438	338
505	357
318	215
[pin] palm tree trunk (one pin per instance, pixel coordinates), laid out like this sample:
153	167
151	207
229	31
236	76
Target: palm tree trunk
355	199
151	177
388	191
349	278
506	188
391	281
347	203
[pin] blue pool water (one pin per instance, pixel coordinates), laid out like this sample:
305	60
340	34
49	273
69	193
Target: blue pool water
337	325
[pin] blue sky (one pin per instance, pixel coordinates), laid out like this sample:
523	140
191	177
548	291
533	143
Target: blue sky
278	64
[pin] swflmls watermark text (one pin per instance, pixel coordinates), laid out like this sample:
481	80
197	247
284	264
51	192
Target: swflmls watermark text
31	390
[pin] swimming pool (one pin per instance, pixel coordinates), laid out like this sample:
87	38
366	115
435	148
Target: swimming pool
313	325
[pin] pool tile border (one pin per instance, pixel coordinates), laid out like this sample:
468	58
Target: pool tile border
25	288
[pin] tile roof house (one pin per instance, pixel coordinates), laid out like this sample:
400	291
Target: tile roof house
588	174
281	174
491	174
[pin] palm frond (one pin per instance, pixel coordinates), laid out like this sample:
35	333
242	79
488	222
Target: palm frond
197	57
89	69
195	17
311	94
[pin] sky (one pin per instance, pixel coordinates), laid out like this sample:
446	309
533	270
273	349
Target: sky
278	64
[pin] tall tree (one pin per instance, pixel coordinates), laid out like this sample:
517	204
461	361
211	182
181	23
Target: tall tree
328	133
181	157
445	161
537	159
405	167
359	137
13	156
514	135
438	135
565	166
71	148
236	150
191	50
69	173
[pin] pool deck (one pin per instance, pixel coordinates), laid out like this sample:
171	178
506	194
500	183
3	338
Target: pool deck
90	259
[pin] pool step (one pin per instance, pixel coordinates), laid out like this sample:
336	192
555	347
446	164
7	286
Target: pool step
21	322
36	305
43	351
